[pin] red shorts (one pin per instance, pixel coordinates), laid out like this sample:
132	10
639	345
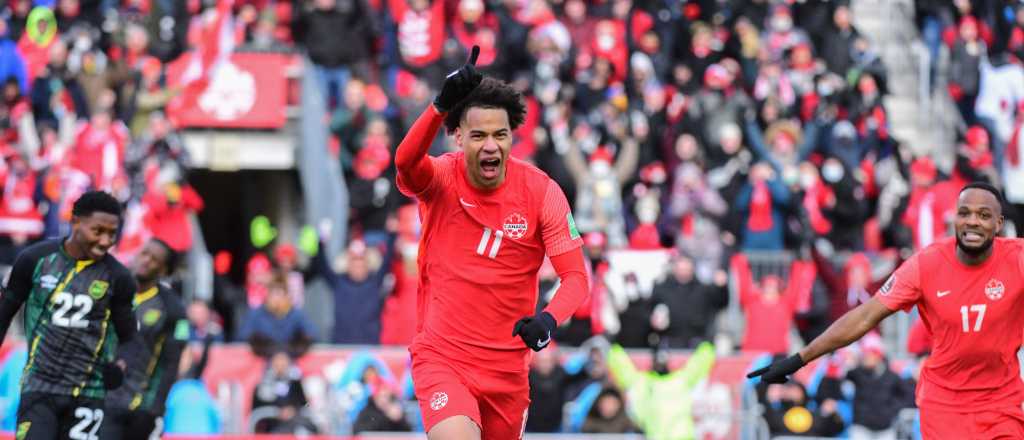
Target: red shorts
497	403
1002	423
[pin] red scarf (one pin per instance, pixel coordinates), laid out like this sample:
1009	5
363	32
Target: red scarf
760	209
813	200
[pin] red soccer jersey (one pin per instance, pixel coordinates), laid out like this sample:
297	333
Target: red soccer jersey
479	256
974	316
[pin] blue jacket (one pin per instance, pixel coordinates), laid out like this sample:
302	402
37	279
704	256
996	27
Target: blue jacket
357	304
281	330
12	63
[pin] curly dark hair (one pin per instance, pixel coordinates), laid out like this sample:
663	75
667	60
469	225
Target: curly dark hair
491	93
96	201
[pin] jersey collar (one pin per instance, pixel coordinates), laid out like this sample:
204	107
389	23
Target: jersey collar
145	295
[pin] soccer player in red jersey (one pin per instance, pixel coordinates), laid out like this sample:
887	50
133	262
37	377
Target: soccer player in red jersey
969	290
488	222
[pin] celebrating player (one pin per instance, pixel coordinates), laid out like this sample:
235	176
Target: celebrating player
970	294
488	221
74	291
135	410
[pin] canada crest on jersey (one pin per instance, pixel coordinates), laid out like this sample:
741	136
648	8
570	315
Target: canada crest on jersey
994	289
515	226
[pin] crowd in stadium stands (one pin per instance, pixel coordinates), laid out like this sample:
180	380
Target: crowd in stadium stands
719	130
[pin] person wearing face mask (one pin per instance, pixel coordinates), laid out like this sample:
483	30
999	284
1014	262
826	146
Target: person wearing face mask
660	400
848	209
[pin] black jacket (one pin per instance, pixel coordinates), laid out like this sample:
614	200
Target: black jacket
337	37
879	396
692	307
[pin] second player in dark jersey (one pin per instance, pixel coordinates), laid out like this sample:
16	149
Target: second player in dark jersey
73	292
135	410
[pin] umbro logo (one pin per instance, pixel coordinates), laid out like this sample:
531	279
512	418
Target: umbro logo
942	293
48	281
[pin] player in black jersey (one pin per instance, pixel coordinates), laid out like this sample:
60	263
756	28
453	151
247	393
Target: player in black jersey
73	292
135	410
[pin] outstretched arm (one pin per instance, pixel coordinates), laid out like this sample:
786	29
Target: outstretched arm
847	329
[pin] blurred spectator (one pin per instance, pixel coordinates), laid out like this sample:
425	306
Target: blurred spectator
359	290
838	41
11	62
598	206
99	151
351	122
974	162
696	207
548	381
763	201
202	324
849	286
338	35
383	411
286	260
964	73
930	208
419	35
660	399
55	90
280	390
878	393
1000	95
277	325
608	415
373	196
685	308
771	306
150	96
398	317
789	412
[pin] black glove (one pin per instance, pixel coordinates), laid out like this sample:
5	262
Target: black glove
113	375
536	331
459	84
778	372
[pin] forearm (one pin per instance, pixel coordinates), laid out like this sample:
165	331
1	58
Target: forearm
847	329
8	308
573	290
411	160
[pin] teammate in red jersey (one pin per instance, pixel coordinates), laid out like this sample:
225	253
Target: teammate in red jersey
488	222
969	291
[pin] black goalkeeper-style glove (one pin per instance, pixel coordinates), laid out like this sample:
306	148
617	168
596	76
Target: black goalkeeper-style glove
459	84
113	375
536	331
779	372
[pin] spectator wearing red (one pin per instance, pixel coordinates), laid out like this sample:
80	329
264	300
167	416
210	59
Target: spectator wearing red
420	35
474	26
99	151
398	317
19	216
930	206
974	161
964	74
770	307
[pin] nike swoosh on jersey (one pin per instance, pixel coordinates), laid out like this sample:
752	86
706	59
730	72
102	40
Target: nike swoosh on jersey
466	204
942	293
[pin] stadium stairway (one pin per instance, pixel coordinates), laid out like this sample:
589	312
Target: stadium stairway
921	114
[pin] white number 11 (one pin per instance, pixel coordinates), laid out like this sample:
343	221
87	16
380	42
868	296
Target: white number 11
486	237
977	308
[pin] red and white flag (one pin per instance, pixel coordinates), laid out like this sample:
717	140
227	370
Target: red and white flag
214	40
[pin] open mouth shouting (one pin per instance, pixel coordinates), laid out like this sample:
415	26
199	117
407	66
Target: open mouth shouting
490	168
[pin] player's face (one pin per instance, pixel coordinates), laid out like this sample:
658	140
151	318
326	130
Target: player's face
978	218
94	234
151	262
486	138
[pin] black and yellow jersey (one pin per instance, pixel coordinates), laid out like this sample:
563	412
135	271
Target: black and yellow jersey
153	355
70	307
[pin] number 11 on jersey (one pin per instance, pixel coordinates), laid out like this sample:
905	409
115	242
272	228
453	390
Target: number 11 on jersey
974	308
485	239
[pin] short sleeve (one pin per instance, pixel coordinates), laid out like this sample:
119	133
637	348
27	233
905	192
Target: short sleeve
903	288
558	229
